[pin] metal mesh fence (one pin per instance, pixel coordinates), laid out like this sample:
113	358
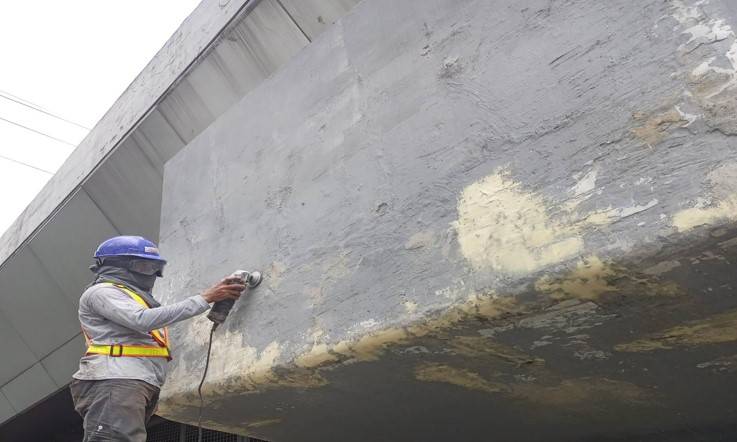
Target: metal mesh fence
165	431
168	431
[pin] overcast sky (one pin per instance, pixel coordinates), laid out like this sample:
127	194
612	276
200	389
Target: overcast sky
73	58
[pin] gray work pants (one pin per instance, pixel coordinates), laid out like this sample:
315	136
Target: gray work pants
114	409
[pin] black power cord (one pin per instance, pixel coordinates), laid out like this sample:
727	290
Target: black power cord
199	388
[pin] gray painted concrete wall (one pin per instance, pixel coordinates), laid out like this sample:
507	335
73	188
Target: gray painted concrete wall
476	218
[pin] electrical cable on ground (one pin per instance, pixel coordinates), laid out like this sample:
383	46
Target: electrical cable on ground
16	99
199	388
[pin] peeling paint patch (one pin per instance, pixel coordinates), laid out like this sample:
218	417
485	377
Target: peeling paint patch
688	219
369	347
317	356
653	129
715	329
587	281
662	267
274	274
586	184
419	240
505	228
723	183
474	346
712	88
459	377
569	316
593	279
725	364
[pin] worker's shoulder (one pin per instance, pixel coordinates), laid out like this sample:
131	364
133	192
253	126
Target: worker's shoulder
104	290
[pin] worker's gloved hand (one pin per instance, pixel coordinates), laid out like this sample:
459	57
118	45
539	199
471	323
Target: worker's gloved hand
228	288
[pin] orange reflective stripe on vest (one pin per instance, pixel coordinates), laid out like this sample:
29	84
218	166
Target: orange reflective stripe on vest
160	336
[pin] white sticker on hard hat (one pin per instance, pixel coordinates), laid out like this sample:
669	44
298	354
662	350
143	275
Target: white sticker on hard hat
151	250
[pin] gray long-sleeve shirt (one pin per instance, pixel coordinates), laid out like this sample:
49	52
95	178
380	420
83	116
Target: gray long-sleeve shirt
110	316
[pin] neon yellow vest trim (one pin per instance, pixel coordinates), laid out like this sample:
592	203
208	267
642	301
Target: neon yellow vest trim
160	336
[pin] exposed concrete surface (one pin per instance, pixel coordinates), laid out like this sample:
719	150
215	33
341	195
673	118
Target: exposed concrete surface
508	219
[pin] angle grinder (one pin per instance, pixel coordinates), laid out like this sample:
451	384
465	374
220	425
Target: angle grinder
220	310
218	314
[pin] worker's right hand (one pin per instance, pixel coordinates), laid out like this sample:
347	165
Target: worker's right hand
228	288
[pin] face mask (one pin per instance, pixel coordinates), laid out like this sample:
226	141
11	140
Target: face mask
119	271
146	282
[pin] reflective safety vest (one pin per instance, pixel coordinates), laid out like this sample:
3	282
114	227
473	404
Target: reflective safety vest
140	351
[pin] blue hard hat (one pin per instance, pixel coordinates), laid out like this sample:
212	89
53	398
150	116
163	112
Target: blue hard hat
129	246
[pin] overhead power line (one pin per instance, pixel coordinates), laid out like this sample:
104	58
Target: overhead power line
37	132
13	160
15	99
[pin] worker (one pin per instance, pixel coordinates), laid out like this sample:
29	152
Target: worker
117	386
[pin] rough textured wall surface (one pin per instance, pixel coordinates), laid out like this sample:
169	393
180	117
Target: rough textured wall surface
476	219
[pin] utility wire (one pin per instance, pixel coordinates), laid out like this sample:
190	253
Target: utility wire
25	164
15	99
37	132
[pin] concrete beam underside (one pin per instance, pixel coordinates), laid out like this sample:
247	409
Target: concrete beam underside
476	219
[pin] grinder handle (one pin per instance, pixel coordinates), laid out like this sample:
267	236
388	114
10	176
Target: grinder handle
220	310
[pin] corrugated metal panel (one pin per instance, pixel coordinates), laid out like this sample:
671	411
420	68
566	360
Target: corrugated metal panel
31	386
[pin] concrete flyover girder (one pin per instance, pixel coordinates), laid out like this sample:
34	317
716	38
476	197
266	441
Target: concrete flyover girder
111	184
508	220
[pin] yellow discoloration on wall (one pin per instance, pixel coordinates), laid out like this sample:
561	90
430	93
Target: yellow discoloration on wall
653	129
589	280
477	346
274	274
715	329
505	228
317	356
577	393
723	207
687	219
369	347
460	377
410	307
592	278
581	392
